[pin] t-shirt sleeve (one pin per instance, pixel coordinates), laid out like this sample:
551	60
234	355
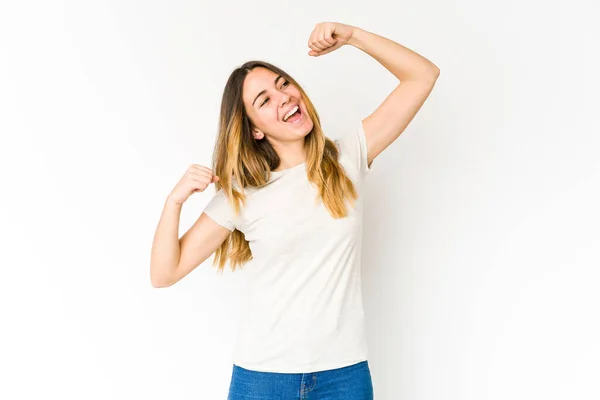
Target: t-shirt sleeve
353	148
220	211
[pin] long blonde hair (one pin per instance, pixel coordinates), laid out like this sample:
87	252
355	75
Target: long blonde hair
239	156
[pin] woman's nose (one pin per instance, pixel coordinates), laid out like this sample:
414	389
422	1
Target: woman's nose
285	99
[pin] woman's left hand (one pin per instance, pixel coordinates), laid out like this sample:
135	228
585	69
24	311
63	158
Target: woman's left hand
328	36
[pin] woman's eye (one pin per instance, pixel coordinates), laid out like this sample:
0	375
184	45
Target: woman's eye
284	84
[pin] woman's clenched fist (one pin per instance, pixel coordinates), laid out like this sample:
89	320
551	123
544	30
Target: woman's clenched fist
196	179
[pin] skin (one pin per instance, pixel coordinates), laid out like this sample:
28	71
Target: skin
267	111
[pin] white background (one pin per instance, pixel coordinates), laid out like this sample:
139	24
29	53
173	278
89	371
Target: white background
481	246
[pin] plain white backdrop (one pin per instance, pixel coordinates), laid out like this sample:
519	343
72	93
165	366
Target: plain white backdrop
481	245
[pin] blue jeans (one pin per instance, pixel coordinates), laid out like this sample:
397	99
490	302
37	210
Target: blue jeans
352	382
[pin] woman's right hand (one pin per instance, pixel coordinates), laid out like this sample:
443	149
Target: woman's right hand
196	179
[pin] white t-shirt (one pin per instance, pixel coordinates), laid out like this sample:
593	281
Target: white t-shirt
302	310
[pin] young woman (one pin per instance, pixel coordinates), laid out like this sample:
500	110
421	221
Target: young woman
288	209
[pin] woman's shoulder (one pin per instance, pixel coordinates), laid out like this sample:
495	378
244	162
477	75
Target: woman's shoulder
352	146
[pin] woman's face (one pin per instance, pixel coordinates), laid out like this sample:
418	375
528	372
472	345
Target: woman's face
269	98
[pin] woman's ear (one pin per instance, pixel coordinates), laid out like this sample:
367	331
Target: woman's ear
258	135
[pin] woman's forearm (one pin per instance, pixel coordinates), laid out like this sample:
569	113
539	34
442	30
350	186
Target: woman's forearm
165	246
402	62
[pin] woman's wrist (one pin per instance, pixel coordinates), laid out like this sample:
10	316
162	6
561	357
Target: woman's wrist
355	38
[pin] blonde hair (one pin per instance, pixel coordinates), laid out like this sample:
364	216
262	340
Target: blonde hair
239	157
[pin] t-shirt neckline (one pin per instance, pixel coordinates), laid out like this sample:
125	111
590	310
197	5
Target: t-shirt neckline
278	173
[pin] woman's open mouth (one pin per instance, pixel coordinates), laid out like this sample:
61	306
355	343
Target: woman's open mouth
294	115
